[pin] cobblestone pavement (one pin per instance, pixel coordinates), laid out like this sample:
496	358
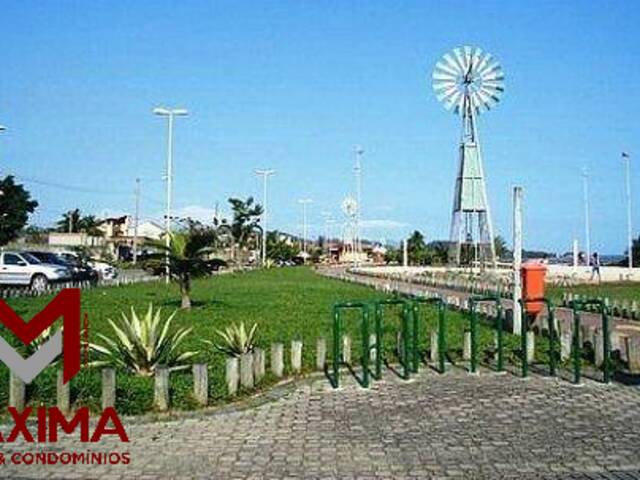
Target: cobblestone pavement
452	426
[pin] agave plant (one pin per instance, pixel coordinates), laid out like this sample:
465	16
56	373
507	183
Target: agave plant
141	345
235	340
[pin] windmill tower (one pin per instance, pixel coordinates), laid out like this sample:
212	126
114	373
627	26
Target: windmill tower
468	81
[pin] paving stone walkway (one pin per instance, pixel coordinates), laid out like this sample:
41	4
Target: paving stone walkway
453	426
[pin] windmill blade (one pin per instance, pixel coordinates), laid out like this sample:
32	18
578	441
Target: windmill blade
446	93
446	67
438	87
485	99
443	76
483	63
459	56
493	96
453	100
489	69
452	63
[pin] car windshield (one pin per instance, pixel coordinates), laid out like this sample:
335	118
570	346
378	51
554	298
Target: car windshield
30	258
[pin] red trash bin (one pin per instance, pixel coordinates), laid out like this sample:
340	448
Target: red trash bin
533	275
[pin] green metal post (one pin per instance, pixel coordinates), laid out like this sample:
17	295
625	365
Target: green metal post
379	343
474	338
442	342
415	338
500	327
405	342
552	340
577	348
365	347
524	328
606	345
336	347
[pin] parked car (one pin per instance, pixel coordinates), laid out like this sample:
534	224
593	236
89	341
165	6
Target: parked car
21	268
80	271
105	270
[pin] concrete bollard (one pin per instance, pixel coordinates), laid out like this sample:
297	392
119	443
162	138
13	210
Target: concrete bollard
201	383
346	349
246	370
598	348
373	347
277	359
565	345
434	346
531	346
108	387
633	353
258	364
232	375
17	391
63	394
296	356
161	390
321	354
466	346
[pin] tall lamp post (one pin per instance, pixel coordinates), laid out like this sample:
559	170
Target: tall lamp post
587	221
626	158
265	174
304	202
170	113
358	172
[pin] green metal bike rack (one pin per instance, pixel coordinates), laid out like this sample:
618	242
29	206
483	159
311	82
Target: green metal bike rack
524	341
338	358
442	342
404	328
473	301
603	309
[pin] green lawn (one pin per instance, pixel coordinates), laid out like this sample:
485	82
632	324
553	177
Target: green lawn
287	304
614	291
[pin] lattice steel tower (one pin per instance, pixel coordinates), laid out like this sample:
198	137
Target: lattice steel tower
469	81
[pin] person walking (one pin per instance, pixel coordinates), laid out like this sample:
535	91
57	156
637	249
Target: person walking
595	266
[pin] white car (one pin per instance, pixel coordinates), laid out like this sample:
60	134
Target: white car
20	268
105	270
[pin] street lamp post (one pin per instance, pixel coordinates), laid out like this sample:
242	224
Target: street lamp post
626	158
358	171
304	202
265	174
587	221
170	113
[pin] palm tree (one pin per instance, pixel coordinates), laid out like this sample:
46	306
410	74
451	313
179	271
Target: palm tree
187	257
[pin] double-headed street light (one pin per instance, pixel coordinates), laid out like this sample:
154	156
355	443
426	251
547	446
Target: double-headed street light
170	113
265	174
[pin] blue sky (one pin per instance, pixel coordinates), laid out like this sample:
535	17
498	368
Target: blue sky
296	85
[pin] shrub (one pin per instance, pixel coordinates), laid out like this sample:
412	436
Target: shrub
141	345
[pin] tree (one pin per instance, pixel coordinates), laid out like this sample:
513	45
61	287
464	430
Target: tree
15	206
393	255
74	222
279	249
187	256
635	249
502	251
439	252
417	249
246	220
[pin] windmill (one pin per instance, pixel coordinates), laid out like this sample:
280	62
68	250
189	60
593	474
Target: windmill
469	81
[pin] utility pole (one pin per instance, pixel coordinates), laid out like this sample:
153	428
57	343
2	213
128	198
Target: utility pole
587	221
70	214
170	114
626	158
135	224
265	174
517	260
304	202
